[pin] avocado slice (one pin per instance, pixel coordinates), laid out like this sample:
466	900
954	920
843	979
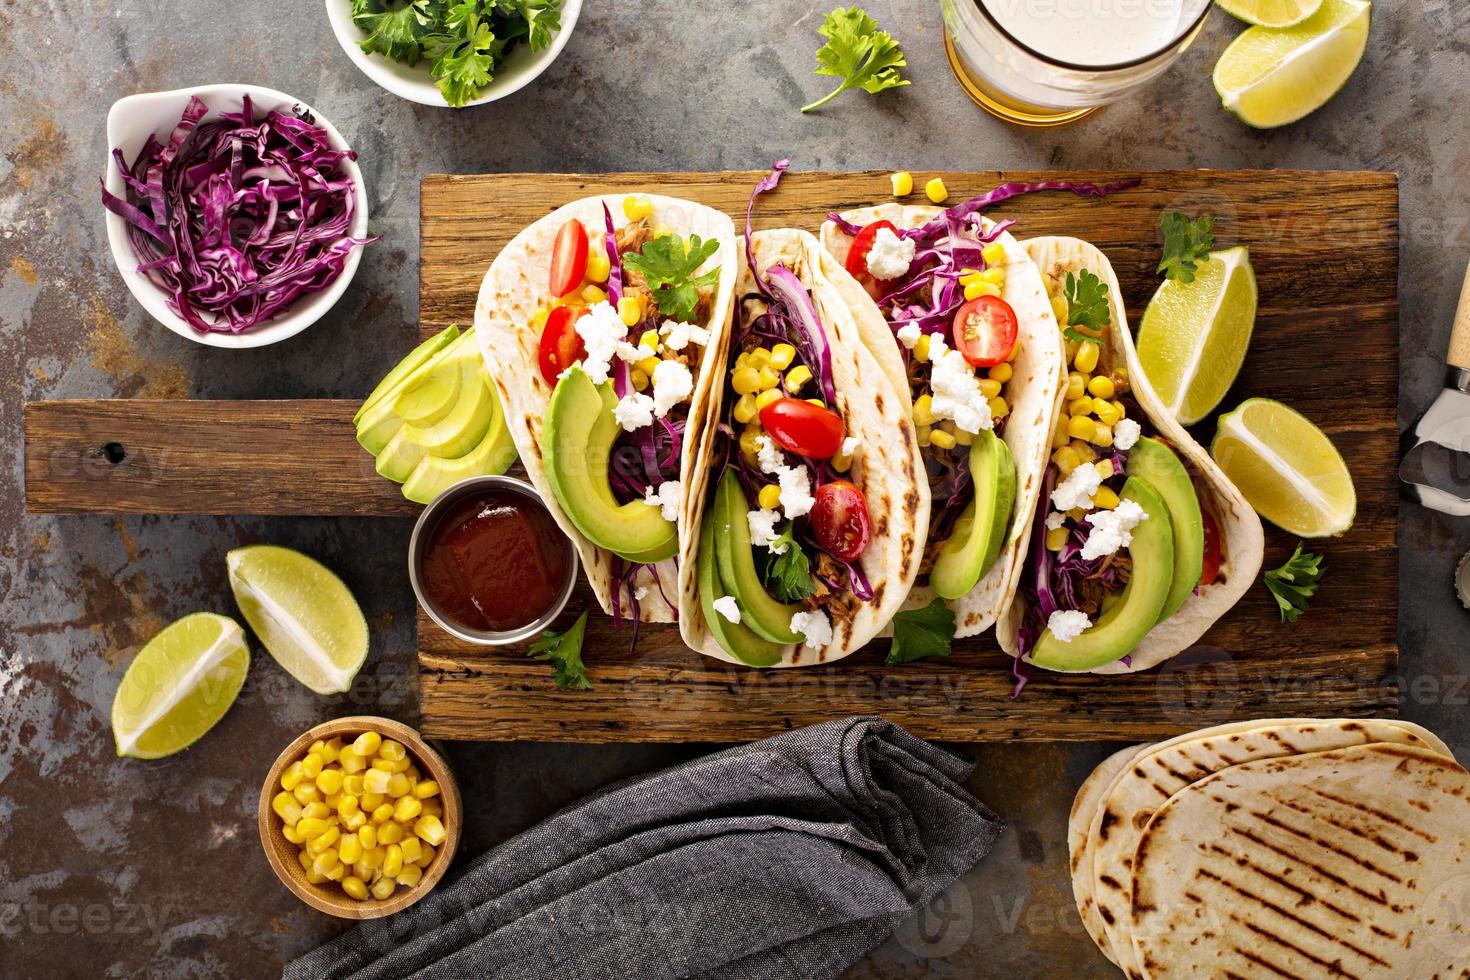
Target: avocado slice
734	638
493	456
1124	624
766	616
453	436
577	443
379	422
1155	462
416	359
980	533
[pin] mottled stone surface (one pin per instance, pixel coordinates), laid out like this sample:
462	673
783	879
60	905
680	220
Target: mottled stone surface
114	868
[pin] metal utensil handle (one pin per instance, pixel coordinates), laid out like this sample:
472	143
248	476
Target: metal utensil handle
1459	355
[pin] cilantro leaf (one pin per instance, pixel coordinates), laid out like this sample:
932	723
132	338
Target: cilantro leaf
394	28
858	53
1294	583
534	20
465	56
920	633
1186	244
564	650
789	574
669	265
1087	306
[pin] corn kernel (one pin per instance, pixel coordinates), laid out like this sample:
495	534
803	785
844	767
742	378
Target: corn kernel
768	379
599	267
306	859
637	207
997	276
748	438
1105	498
330	781
745	408
903	183
768	397
639	379
538	319
1101	386
307	793
292	777
1015	352
742	361
1104	469
1002	373
1059	309
427	857
989	387
1105	411
371	801
1056	537
647	365
649	341
314	878
963	438
351	762
390	833
318	810
1086	359
375	781
347	806
383	888
355	888
942	439
1081	427
994	253
797	378
745	380
781	356
434	808
759	358
817	402
921	347
1104	436
331	799
841	463
311	827
393	861
325	841
430	829
924	410
977	289
398	785
350	849
1084	450
409	875
769	496
366	744
630	311
936	191
382	814
663	231
407	808
924	434
289	832
1076	386
1059	437
1121	409
311	766
391	766
999	409
286	807
412	848
355	821
368	834
968	276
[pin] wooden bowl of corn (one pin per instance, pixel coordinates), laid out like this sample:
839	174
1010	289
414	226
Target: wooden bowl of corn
359	817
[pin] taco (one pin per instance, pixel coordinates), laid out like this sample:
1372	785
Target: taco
962	322
1140	542
813	503
602	325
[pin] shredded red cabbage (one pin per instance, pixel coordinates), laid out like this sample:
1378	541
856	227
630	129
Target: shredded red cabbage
236	219
614	260
789	295
766	183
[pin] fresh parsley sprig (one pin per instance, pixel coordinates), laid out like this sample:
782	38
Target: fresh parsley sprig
1294	583
920	633
564	650
670	265
858	53
789	574
1087	307
1186	244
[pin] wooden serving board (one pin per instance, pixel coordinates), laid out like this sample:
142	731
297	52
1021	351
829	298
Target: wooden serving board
1325	250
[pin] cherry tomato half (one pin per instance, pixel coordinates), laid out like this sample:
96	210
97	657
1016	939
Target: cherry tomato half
805	429
560	345
985	331
568	258
857	256
1210	567
840	520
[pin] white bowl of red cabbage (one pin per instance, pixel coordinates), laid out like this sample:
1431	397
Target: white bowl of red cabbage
203	195
441	54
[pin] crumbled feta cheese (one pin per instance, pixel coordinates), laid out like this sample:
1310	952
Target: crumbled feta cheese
1112	529
677	334
796	491
640	593
604	335
955	392
726	606
850	445
672	383
1067	624
890	256
1126	433
768	455
634	411
1055	520
909	335
667	496
763	530
1077	490
814	626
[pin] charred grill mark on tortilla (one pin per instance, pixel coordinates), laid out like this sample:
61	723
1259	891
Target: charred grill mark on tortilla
1387	818
1333	968
1258	960
1282	881
1312	837
1348	827
1287	914
1378	898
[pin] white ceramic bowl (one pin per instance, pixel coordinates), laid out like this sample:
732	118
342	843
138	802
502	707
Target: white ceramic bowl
413	82
129	124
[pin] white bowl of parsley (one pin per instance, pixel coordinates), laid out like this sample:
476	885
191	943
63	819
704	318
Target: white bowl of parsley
453	52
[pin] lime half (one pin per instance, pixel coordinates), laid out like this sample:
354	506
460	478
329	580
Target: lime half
1194	336
1271	13
1272	77
179	685
1287	468
302	613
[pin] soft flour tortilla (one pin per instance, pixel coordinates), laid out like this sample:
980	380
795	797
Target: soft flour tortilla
1035	397
1156	773
515	287
1347	863
1241	538
1081	844
886	467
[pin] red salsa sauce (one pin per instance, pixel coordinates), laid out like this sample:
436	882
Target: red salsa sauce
495	562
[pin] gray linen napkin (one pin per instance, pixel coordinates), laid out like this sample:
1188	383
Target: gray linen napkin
790	857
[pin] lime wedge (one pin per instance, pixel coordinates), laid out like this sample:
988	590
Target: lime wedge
302	613
1271	13
1287	468
1194	335
1272	77
179	685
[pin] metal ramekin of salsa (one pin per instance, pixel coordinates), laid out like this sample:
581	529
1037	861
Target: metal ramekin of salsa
489	564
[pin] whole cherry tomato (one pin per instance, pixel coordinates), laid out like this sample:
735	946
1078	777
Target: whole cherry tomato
985	331
840	520
1210	567
560	345
568	258
805	429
